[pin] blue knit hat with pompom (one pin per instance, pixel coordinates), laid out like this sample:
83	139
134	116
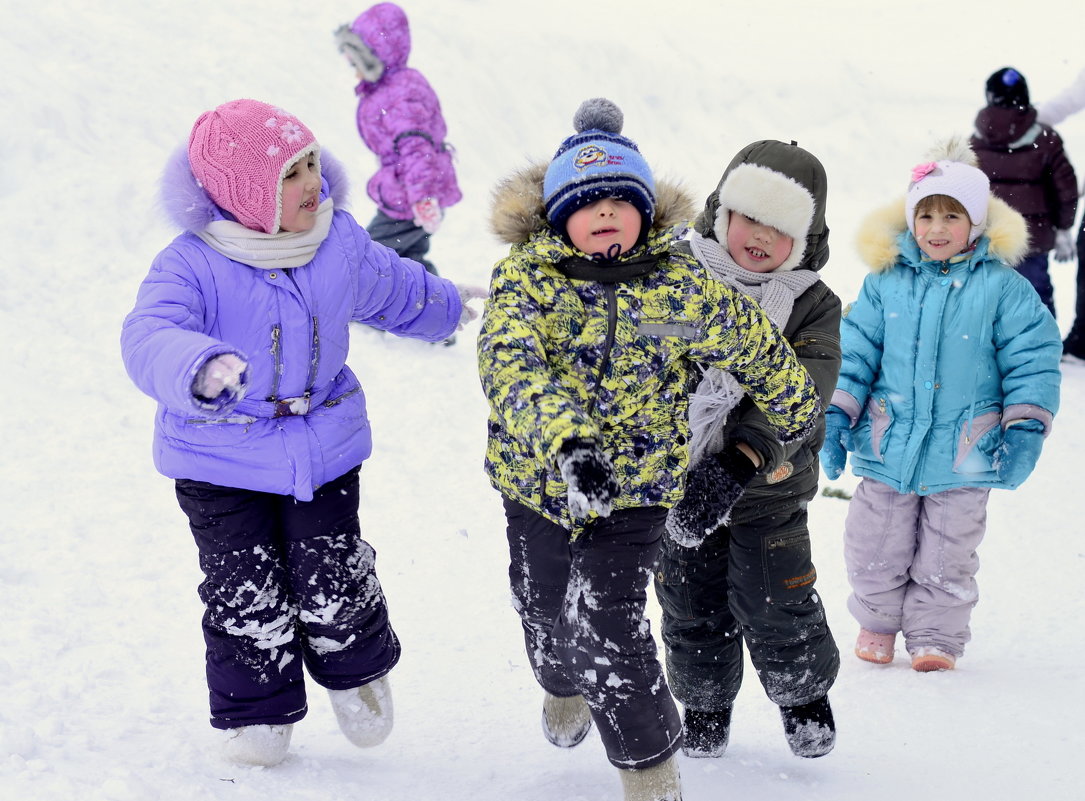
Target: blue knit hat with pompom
597	162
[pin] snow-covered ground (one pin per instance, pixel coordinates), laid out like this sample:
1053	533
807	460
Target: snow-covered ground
101	671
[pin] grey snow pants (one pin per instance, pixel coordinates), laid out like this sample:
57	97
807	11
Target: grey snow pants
912	562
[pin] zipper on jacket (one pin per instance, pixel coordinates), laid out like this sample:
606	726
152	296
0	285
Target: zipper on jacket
277	359
314	356
608	343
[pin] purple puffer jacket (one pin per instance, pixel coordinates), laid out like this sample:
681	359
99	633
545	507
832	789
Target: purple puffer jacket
291	326
399	119
1028	168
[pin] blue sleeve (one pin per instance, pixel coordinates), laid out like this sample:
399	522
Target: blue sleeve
862	339
1028	349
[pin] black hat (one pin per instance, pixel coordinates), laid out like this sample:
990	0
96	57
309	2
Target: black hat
1007	89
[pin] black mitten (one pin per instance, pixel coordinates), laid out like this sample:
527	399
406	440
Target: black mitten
590	476
713	487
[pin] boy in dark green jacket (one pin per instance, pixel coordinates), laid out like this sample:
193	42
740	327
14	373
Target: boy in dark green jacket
751	578
594	328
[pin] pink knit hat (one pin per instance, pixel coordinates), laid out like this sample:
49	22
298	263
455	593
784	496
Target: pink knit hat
239	153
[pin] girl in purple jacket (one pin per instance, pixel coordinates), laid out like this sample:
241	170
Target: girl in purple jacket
399	119
240	332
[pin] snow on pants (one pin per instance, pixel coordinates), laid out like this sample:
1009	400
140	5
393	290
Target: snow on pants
404	237
912	562
286	583
582	603
751	581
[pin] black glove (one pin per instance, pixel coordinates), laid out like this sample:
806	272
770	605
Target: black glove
590	476
713	487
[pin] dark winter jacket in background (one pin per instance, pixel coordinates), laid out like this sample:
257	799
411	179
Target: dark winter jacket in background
1029	169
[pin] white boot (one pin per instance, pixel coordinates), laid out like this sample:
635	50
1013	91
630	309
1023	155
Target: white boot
657	783
565	721
257	745
364	713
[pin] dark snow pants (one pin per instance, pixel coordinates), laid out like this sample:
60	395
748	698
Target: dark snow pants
750	582
1035	268
286	583
402	236
582	603
1074	344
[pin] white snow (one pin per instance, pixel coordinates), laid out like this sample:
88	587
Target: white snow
101	671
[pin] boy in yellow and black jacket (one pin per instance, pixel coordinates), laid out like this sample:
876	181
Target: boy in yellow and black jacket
596	326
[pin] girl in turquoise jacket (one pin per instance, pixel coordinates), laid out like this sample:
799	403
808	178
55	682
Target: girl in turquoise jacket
948	387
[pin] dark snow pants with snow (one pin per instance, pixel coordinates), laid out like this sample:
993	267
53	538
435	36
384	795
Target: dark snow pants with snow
751	582
402	236
582	603
286	583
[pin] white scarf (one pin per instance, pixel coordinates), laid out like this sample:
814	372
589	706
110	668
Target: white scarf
269	251
718	392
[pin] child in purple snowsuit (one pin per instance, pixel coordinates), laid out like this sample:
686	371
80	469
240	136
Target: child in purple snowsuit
240	332
949	385
399	118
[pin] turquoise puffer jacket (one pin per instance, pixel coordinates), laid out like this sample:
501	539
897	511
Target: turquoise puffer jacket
938	356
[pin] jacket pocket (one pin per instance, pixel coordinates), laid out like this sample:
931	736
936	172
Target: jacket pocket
977	439
872	433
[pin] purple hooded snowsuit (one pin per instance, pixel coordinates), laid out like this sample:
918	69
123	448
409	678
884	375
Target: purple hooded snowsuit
399	119
270	481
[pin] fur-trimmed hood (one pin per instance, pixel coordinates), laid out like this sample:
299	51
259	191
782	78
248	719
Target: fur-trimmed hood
517	209
884	236
188	206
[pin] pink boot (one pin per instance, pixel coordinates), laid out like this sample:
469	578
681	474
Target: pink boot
874	647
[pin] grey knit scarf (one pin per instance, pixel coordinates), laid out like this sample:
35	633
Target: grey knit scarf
718	392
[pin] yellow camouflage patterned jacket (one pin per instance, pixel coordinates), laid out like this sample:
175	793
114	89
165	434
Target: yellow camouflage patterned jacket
571	348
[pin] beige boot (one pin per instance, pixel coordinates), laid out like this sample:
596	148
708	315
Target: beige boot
364	713
657	783
256	745
565	721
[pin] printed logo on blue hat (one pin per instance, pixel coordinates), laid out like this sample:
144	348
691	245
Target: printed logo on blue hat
591	154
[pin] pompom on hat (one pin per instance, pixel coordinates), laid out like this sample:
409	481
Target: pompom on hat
952	171
597	162
1007	88
240	152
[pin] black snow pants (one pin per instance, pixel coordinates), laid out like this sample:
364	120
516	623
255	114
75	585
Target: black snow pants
750	581
1074	344
286	583
402	236
582	603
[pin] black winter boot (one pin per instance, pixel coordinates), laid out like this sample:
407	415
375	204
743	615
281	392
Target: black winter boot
810	728
705	734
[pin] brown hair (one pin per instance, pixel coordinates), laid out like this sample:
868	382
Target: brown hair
942	203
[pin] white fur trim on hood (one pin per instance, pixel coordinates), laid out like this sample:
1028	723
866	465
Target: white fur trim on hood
770	198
